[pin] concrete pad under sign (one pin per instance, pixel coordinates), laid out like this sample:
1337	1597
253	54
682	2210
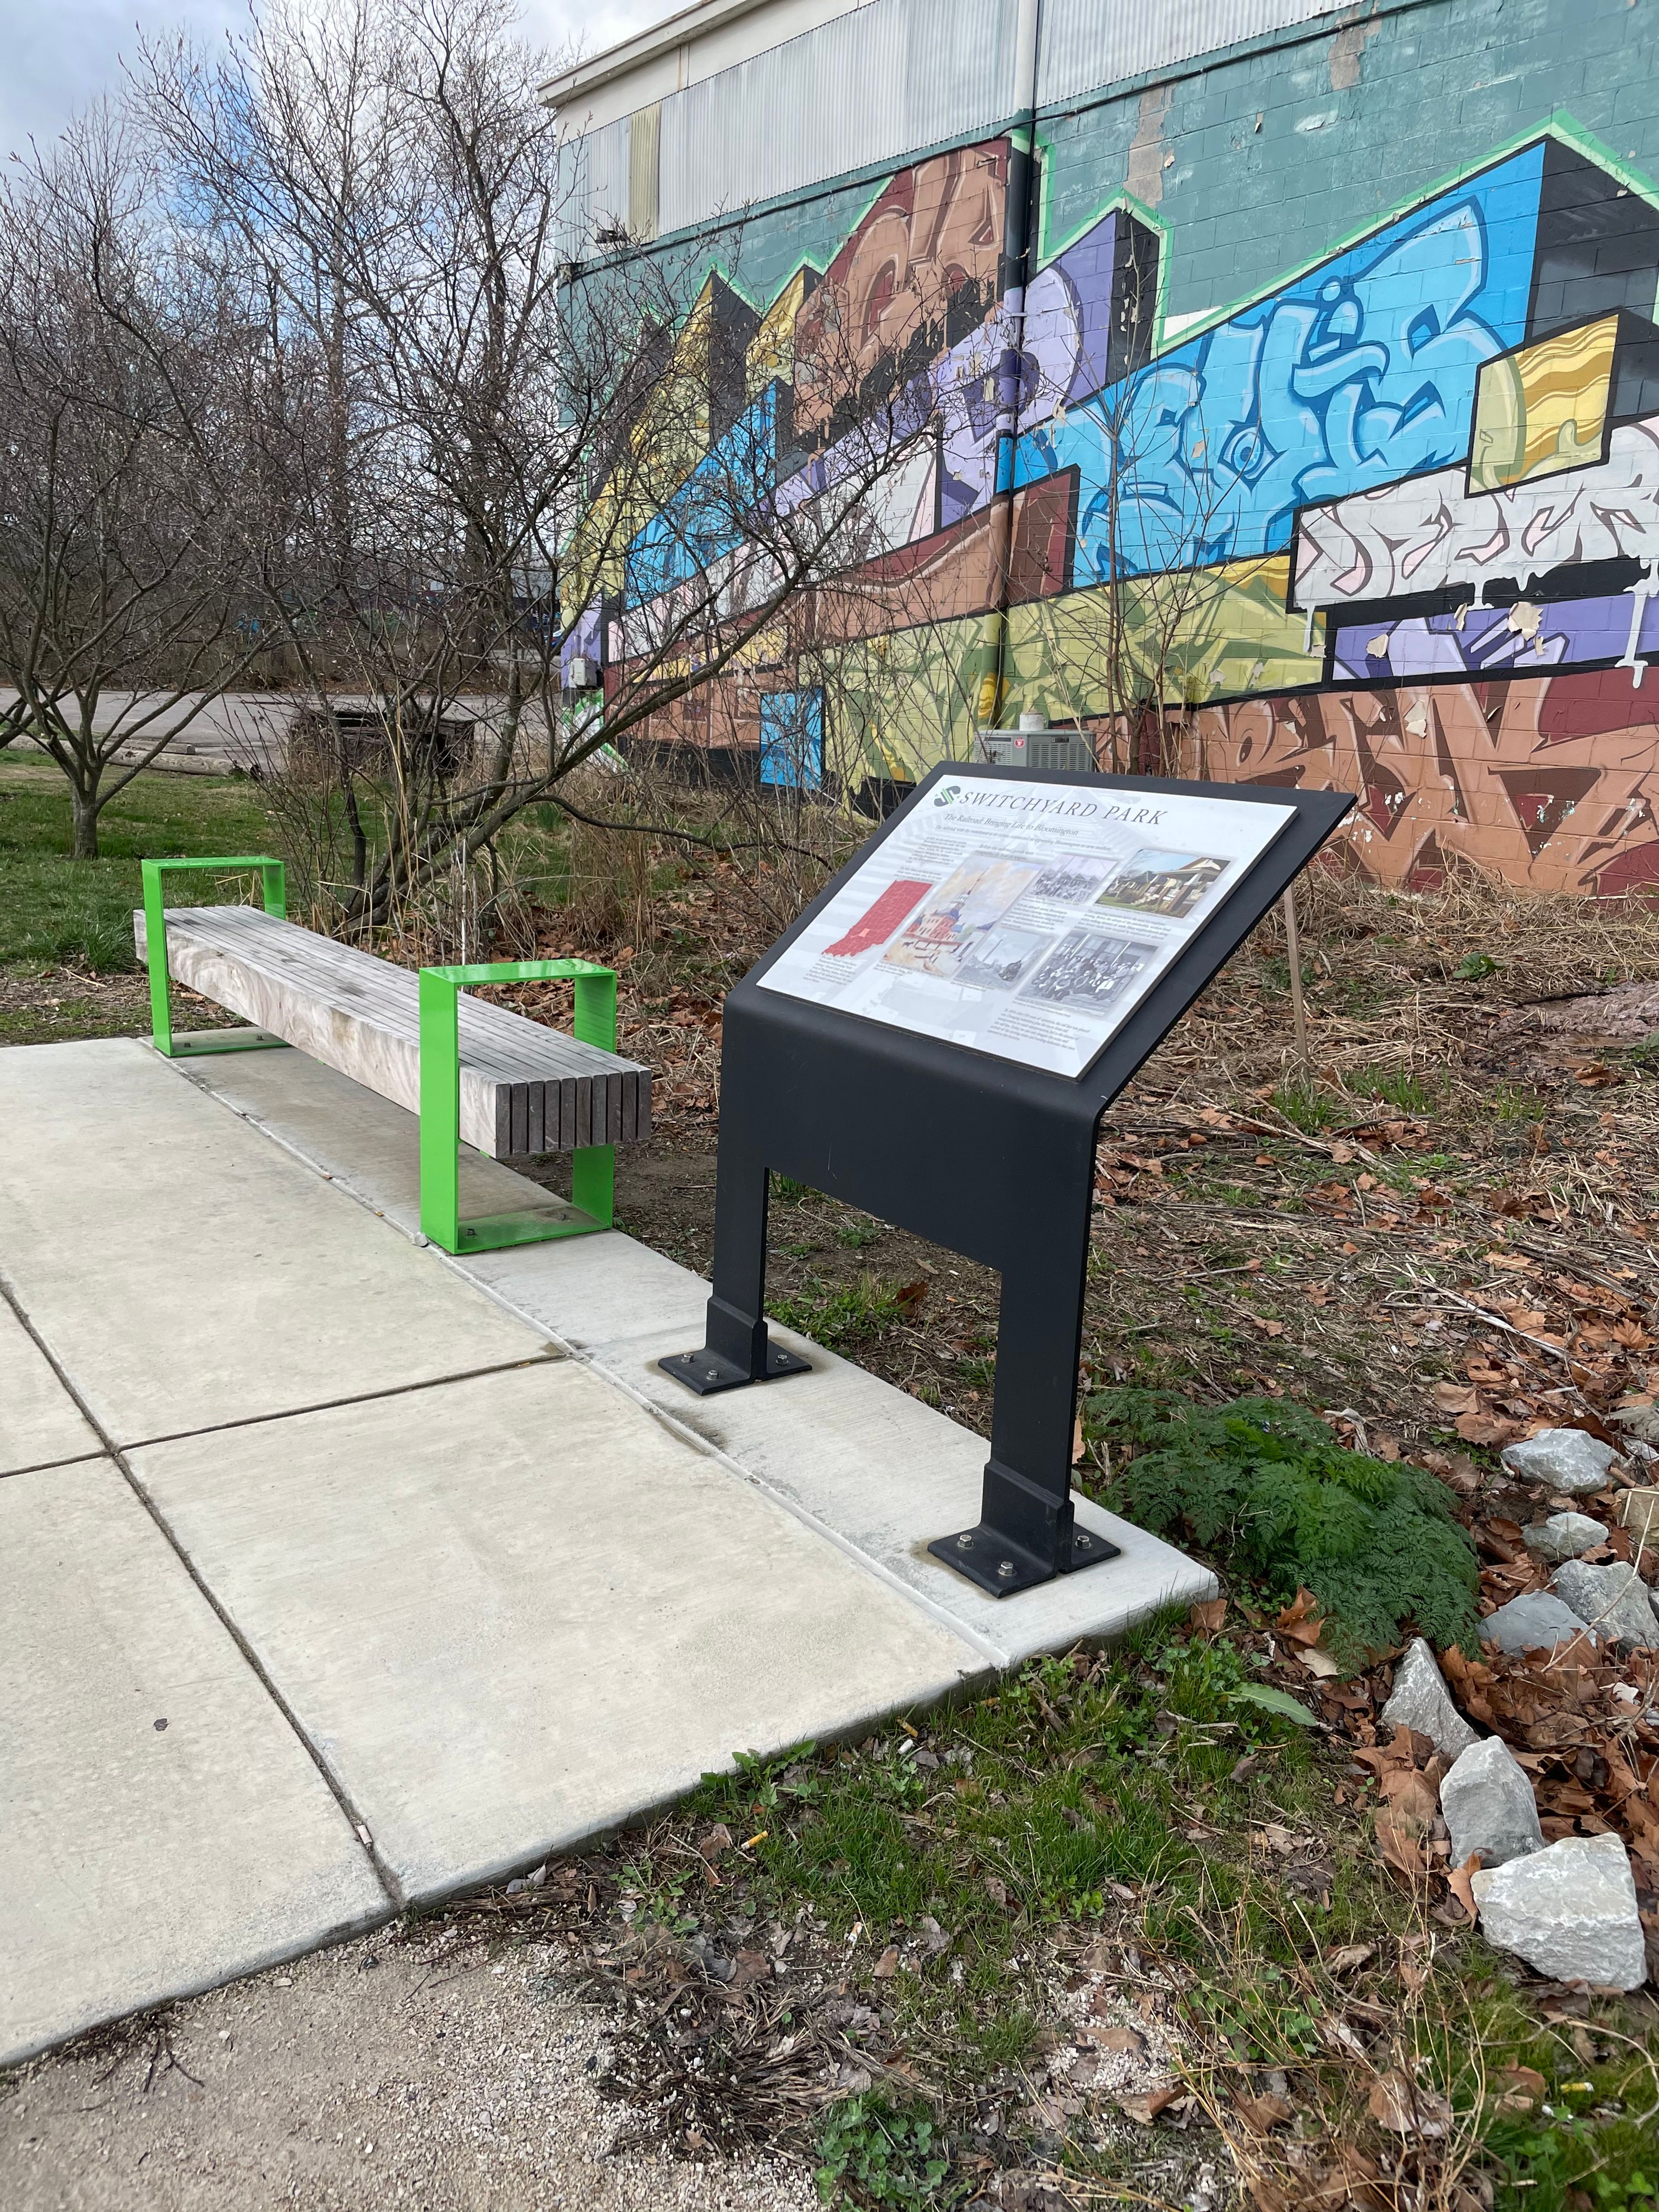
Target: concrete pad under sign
40	1425
514	1611
873	1467
459	1546
161	1826
889	1475
187	1273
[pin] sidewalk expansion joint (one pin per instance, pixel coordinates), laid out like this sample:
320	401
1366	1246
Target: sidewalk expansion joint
46	1465
555	1355
383	1874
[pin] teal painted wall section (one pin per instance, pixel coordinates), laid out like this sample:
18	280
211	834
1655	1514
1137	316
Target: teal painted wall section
1279	153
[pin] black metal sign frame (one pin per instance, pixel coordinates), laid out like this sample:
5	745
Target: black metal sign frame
982	1155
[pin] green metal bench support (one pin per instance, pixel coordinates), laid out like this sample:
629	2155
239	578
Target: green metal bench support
593	1166
273	880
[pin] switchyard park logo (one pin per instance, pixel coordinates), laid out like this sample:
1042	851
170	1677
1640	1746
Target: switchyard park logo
947	794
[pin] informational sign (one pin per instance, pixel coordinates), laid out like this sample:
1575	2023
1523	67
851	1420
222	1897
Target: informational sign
1022	919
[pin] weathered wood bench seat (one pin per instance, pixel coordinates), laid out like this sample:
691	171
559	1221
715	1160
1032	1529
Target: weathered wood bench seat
524	1088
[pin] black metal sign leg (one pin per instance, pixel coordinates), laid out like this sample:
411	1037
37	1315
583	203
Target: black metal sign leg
1027	1532
738	1349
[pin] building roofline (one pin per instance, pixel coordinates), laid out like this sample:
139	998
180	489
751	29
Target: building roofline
586	77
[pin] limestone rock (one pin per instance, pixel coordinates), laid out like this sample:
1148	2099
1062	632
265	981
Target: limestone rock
1421	1700
1640	1422
1536	1622
1489	1805
1639	1512
1614	1600
1563	1536
1560	1459
1569	1911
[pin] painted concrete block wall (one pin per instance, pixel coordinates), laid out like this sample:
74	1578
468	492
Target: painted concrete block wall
1282	151
1337	453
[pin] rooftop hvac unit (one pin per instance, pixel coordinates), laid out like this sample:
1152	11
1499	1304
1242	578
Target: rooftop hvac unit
1036	747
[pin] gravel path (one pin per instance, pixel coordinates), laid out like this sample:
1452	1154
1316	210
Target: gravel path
382	2073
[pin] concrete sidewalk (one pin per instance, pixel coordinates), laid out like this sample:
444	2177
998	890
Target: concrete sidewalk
342	1574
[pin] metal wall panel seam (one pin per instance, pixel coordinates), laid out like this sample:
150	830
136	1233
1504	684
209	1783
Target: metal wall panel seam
596	193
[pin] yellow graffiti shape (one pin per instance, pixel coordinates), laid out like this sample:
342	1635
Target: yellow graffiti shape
1544	409
772	354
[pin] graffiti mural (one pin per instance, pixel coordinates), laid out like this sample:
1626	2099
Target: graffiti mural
1428	534
1363	372
1501	640
1552	781
1393	525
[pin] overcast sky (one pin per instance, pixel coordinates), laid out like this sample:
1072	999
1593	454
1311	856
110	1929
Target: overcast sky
59	53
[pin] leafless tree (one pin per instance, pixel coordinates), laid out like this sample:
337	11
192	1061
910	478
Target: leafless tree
467	446
120	559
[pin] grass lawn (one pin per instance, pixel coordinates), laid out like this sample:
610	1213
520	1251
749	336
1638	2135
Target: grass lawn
67	964
59	912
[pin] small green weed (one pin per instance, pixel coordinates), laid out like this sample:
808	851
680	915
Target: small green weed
850	1314
1276	972
1475	967
1553	2168
1267	1483
874	2151
1510	1104
1304	1106
1392	1086
858	1236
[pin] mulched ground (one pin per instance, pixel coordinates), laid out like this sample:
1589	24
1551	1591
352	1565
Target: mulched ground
1445	1222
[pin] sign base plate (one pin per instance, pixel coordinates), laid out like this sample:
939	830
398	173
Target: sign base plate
986	1557
706	1372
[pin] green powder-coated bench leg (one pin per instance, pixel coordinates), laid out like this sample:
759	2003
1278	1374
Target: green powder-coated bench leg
593	1166
274	879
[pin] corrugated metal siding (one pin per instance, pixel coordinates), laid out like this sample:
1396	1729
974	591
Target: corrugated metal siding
644	152
594	169
869	87
878	83
1088	44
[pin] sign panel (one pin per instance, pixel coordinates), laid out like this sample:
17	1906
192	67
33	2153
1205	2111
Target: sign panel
1024	920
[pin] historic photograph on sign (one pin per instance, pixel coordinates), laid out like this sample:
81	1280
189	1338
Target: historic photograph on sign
1026	920
1165	883
1089	970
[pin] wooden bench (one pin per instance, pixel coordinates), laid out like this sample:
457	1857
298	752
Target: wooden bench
475	1074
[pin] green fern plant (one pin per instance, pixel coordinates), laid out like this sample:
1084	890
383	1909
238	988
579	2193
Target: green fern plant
1266	1485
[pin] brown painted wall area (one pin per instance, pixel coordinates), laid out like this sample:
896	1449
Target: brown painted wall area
953	574
1552	781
